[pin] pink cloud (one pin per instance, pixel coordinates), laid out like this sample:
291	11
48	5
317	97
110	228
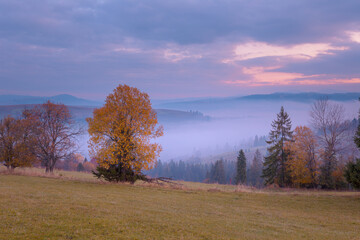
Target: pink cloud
262	76
354	36
253	49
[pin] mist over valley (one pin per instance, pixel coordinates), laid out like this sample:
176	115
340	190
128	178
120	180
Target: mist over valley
207	129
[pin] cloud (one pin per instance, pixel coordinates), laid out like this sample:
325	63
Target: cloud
176	47
354	36
306	51
341	63
264	76
126	49
175	56
185	23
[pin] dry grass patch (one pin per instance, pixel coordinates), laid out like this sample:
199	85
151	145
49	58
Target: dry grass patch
58	208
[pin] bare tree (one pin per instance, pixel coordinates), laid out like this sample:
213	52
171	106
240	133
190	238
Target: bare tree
55	133
332	130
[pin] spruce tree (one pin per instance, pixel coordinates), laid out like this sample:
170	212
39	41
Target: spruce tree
275	163
217	174
352	173
254	176
241	168
80	167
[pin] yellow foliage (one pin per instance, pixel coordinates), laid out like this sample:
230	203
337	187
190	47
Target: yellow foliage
302	163
122	130
338	174
79	158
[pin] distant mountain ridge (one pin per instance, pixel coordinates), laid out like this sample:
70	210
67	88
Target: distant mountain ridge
211	103
62	98
168	104
303	97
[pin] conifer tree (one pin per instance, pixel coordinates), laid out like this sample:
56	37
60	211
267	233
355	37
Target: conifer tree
241	168
254	176
80	167
217	174
275	163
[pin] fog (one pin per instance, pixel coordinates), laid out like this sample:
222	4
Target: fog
230	127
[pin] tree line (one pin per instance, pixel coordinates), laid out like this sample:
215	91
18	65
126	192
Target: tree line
316	156
322	155
121	144
221	171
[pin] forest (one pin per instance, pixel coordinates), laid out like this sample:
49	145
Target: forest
323	155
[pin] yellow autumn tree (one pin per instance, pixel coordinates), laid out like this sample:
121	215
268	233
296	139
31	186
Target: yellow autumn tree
122	133
302	164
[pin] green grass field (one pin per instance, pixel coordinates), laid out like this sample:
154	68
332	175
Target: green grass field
76	206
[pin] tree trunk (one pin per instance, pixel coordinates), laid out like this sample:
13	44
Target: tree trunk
10	169
50	166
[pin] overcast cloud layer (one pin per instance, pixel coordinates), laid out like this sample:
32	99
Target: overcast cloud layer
174	49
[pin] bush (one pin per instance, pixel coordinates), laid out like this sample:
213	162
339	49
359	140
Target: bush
352	173
118	173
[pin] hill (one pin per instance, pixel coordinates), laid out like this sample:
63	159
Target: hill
302	97
70	100
58	208
62	98
173	116
80	113
235	102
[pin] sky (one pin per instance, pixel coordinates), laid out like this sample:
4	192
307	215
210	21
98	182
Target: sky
178	49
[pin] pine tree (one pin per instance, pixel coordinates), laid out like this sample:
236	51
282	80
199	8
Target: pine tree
352	173
80	167
254	176
275	163
256	141
217	173
241	168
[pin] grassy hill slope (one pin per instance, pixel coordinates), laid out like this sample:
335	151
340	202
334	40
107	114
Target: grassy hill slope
50	208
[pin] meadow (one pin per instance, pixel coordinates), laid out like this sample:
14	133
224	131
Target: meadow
71	205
